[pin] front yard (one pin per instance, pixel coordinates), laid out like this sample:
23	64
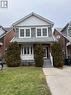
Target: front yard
23	81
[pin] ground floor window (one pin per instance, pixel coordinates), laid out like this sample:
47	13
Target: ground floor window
26	50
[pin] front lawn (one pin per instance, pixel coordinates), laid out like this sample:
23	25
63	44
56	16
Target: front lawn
23	81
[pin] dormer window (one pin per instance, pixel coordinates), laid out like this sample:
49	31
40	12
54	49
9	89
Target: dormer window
58	37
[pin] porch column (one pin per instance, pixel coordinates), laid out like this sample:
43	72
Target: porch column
51	57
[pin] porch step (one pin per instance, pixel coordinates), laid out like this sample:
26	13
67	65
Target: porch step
27	62
47	63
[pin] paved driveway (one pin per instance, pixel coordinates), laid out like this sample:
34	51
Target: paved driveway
59	80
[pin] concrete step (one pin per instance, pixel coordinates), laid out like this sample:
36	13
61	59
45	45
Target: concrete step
47	63
27	62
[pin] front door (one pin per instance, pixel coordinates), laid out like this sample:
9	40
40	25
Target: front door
27	52
45	52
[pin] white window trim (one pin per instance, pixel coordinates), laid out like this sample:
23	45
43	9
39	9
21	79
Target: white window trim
25	33
30	33
29	50
36	31
41	31
47	31
19	32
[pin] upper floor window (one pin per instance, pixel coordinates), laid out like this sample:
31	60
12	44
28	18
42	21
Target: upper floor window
44	30
21	32
27	32
24	33
33	32
38	32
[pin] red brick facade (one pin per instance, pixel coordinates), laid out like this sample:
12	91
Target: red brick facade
6	41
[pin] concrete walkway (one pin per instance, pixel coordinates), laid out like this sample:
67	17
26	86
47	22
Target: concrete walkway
59	80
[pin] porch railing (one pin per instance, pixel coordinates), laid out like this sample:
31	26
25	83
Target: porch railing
51	59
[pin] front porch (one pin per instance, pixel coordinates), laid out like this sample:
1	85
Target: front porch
27	53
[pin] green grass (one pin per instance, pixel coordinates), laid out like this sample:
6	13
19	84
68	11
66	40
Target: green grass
23	81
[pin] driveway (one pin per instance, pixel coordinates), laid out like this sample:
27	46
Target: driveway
59	80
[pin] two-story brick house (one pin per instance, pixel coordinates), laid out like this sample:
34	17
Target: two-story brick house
30	30
65	38
6	35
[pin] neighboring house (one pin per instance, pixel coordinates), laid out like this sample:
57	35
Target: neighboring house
64	37
31	30
61	39
6	35
2	34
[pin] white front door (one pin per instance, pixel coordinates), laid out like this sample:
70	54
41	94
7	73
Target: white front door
27	53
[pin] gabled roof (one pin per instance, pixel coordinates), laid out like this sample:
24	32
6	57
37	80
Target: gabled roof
33	14
58	29
3	30
6	29
69	23
62	34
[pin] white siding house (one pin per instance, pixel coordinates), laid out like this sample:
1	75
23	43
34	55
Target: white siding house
31	30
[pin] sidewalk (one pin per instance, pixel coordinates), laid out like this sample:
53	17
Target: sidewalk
59	80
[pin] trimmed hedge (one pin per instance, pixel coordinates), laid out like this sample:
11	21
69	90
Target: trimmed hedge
12	55
58	57
38	55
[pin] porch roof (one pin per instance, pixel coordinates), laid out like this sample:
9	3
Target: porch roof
34	40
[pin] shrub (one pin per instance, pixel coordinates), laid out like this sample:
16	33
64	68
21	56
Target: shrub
58	58
38	55
12	55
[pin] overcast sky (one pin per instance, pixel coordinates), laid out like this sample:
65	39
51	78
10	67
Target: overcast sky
58	11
